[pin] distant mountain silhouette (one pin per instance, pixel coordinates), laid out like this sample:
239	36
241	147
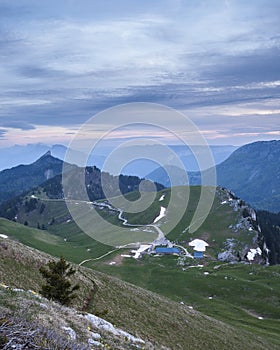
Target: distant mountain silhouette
252	172
27	154
22	178
46	172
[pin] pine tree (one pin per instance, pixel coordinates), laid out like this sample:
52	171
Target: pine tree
58	286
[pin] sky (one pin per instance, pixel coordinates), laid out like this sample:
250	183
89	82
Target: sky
61	62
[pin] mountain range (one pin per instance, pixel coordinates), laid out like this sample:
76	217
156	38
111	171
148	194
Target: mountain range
228	298
26	154
252	172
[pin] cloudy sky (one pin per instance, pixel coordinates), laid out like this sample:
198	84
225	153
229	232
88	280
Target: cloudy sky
218	62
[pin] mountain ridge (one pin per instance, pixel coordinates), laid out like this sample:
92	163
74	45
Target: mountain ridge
21	178
252	172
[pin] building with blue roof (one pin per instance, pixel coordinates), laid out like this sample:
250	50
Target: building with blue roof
167	250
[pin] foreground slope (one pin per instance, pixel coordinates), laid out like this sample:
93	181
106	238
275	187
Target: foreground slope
153	318
160	322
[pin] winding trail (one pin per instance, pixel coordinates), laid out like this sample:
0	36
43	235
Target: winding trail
160	233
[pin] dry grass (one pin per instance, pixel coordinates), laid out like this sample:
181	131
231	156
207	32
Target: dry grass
157	320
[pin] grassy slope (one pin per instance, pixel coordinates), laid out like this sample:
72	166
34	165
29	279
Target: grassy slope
239	293
215	230
75	248
136	310
235	300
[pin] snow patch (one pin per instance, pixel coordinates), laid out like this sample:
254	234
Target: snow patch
107	326
95	336
199	245
162	198
252	253
3	236
161	214
70	332
94	342
141	249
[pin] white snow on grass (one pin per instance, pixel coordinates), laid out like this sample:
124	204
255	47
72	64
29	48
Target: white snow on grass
141	249
253	252
199	245
3	236
70	332
147	230
162	198
108	327
161	214
223	202
94	343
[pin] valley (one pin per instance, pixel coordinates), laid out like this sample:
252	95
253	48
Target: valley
220	270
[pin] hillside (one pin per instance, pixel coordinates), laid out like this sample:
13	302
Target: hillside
22	178
158	321
252	172
230	228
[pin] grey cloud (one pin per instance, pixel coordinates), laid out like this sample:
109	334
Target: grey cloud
35	71
65	109
18	124
186	80
258	66
2	133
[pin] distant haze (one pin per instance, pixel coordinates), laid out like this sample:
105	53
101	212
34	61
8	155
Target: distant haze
13	156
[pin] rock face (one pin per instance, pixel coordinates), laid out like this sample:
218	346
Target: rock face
235	249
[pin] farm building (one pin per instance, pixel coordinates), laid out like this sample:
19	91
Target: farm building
198	255
167	250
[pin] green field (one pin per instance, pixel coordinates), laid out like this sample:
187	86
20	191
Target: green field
243	295
156	319
73	244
